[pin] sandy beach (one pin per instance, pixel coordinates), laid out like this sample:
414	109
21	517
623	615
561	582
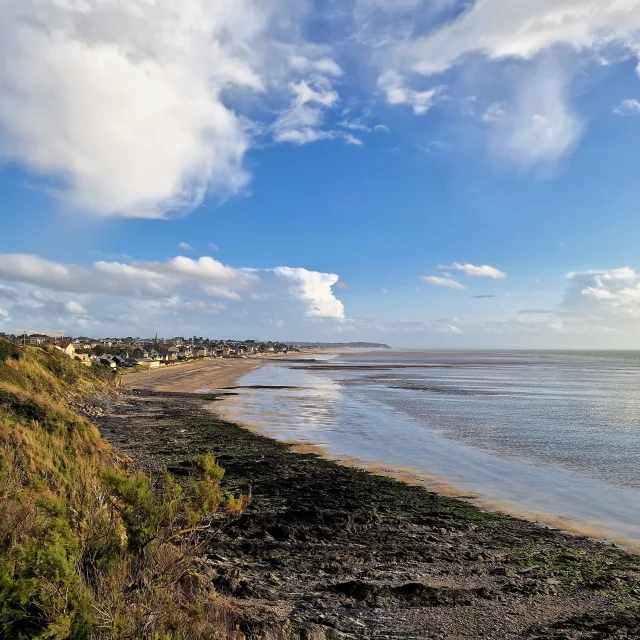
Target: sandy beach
193	376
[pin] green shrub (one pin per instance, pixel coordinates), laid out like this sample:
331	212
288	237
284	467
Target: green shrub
41	595
8	351
88	550
203	490
146	511
26	409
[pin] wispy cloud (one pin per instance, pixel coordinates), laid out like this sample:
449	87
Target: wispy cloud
542	312
303	121
630	107
484	271
350	139
442	282
398	93
185	246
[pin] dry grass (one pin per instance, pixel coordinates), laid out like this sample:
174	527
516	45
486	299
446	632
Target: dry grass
237	506
88	550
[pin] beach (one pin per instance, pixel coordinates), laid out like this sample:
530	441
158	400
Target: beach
192	376
331	552
548	436
328	551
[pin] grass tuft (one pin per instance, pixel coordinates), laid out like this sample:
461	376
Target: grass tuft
89	550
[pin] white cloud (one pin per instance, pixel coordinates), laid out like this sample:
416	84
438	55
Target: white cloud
355	125
540	126
397	93
139	108
614	292
314	290
303	121
495	113
484	271
185	246
522	29
549	41
323	66
352	140
138	279
75	308
122	101
442	282
144	295
628	107
213	247
4	314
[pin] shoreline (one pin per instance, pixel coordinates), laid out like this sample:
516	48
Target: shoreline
205	375
439	484
338	552
219	375
442	486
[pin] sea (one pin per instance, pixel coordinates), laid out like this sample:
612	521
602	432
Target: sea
551	436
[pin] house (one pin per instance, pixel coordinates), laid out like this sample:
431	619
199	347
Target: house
147	363
82	357
169	354
139	352
185	351
106	361
66	346
119	360
202	352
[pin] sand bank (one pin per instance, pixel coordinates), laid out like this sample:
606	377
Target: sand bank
193	376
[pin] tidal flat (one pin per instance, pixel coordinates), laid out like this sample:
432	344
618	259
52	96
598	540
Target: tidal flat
328	551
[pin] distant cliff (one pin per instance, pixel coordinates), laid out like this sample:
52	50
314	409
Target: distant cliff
342	345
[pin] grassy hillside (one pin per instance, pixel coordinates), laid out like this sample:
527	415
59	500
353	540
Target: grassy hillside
88	549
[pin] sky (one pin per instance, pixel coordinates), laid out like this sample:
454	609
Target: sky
424	173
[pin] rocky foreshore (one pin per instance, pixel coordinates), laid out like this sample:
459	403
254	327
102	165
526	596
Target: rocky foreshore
327	551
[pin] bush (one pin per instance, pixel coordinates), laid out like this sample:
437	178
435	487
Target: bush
8	351
40	591
88	550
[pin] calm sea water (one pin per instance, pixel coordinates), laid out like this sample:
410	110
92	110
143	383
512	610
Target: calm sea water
552	435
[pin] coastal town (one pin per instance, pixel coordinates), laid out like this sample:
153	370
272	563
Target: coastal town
147	353
152	353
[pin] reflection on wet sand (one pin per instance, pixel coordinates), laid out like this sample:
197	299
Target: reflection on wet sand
357	419
442	486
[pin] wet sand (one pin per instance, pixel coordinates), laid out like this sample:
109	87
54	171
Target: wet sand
433	483
192	377
328	552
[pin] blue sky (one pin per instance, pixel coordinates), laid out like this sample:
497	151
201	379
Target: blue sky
436	174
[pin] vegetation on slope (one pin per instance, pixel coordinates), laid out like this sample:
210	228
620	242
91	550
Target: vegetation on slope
87	548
